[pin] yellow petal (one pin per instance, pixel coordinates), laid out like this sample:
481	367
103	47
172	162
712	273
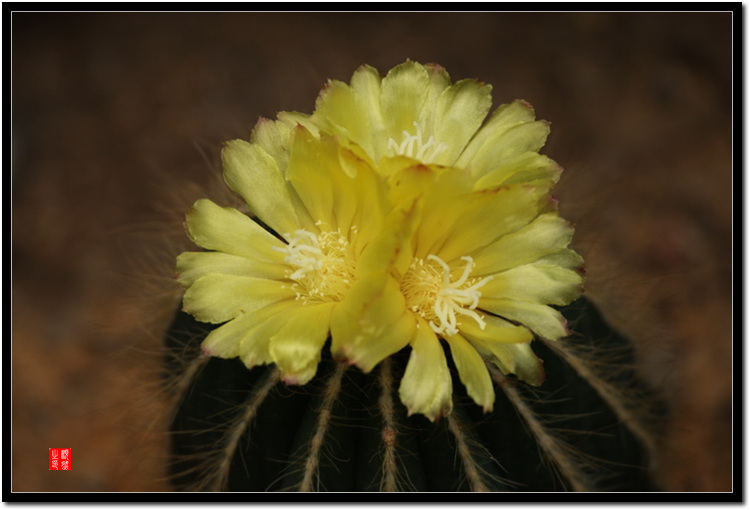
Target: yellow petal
563	258
256	177
217	298
441	195
374	346
231	339
404	91
528	167
538	283
507	145
224	341
295	119
547	234
372	322
311	164
472	371
426	386
502	119
518	359
253	348
409	181
274	137
541	319
460	111
341	111
296	347
439	81
490	214
507	345
192	265
496	330
366	83
360	202
388	250
228	230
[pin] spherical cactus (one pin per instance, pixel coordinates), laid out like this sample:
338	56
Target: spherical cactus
399	311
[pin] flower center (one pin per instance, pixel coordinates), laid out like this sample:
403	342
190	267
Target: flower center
322	266
414	147
430	293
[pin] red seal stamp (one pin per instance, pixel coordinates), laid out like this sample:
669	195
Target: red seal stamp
59	459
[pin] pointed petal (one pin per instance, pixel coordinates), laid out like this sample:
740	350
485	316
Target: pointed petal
296	347
217	298
228	230
536	283
426	386
256	177
541	319
192	265
473	372
547	234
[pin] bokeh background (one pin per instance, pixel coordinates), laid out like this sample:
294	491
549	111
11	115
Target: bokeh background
118	121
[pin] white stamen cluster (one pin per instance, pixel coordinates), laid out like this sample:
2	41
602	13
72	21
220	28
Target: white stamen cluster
413	146
435	297
323	267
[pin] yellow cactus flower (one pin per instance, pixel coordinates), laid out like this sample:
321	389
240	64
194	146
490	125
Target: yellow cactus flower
397	215
279	295
415	112
479	271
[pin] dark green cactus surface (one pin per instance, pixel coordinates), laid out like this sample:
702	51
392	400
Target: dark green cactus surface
588	427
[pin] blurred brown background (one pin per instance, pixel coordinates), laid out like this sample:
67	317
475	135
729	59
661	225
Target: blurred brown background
118	121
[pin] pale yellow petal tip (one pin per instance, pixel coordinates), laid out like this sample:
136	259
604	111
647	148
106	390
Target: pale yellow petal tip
533	373
297	375
293	380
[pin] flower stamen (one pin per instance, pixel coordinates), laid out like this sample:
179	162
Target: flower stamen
323	267
425	152
430	293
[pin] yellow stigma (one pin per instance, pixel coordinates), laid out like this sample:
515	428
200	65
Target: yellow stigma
413	146
322	265
430	293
